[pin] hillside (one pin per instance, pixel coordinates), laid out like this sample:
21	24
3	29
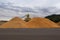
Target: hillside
55	18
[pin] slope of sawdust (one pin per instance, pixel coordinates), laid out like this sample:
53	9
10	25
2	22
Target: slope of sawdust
14	23
41	23
58	23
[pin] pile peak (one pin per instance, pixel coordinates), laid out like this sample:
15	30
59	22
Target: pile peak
15	22
15	19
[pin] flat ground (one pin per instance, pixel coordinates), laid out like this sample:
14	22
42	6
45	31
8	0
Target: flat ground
29	34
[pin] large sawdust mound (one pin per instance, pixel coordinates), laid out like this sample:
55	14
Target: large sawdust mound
33	23
14	23
41	23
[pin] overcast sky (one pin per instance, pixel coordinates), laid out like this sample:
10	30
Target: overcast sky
33	3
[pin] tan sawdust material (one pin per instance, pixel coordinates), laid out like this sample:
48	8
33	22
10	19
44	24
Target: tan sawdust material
33	23
14	23
41	23
58	23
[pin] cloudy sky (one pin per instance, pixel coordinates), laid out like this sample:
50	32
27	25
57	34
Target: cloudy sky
32	3
28	3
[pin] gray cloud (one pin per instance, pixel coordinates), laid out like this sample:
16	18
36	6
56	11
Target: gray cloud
36	8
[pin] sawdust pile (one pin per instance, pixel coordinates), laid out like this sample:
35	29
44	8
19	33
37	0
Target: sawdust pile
33	23
41	23
14	23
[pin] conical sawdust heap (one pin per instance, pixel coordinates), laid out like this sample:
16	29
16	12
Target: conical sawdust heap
14	23
41	23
